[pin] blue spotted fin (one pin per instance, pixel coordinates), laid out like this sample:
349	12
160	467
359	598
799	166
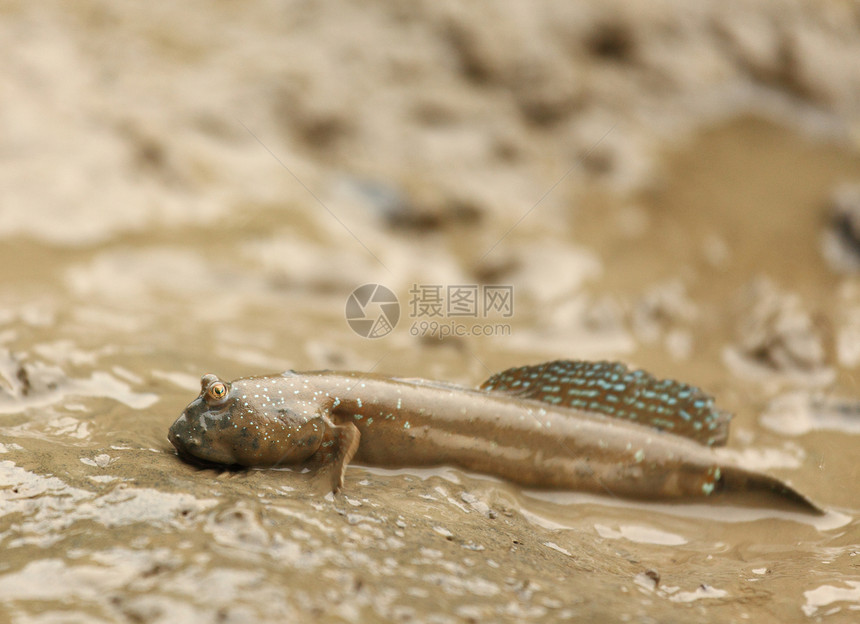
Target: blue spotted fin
610	388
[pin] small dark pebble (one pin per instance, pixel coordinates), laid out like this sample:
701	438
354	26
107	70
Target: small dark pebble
653	575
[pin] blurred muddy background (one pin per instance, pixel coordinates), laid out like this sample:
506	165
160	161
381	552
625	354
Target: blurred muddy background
198	188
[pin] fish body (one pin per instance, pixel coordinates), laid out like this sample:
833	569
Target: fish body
594	427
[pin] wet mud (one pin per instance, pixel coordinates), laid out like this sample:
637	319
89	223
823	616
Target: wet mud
198	189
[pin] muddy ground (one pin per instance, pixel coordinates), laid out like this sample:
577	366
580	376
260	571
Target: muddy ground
198	188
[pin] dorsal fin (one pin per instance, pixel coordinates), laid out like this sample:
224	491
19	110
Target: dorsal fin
612	389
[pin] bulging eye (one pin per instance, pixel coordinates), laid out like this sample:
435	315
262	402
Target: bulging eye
217	392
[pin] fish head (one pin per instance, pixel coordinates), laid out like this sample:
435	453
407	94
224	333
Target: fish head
198	434
230	423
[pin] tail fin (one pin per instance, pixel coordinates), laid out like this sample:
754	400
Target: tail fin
735	479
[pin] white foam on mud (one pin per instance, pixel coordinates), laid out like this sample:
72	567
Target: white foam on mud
828	594
99	384
640	534
712	512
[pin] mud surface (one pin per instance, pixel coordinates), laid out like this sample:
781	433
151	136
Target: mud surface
198	189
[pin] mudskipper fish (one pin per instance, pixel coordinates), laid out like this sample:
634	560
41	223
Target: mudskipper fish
587	426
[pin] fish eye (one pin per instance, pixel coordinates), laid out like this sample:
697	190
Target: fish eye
217	392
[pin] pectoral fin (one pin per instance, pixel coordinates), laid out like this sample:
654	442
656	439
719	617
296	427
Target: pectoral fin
345	438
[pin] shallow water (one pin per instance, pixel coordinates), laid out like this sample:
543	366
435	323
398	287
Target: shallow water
168	247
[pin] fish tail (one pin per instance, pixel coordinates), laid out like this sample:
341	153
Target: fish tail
734	479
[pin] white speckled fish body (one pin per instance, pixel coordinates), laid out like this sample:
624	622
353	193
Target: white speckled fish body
571	425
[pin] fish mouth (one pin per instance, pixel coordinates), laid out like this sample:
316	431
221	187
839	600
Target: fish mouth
193	460
184	453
